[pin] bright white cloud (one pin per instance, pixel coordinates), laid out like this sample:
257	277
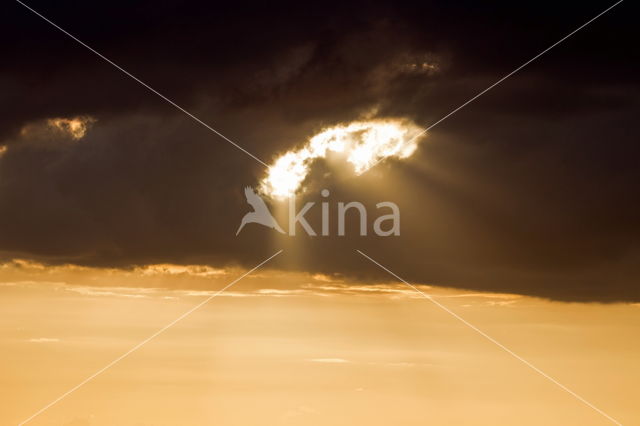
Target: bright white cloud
363	143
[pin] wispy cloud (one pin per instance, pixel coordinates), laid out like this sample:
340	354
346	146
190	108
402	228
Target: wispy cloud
156	281
381	363
130	292
299	411
172	269
43	340
330	360
391	290
325	278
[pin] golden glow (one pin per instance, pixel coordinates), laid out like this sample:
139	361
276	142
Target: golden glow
76	127
172	269
301	350
363	143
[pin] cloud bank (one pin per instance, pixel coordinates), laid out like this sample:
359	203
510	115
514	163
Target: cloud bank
532	189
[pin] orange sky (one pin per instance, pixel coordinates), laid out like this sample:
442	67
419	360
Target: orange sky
291	349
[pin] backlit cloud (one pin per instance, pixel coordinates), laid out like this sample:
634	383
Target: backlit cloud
361	143
56	128
75	127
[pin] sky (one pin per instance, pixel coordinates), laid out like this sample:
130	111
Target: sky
531	189
132	147
302	349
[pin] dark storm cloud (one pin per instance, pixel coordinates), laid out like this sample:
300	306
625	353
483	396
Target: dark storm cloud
532	189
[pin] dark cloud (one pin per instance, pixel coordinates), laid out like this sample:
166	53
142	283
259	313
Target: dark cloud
532	189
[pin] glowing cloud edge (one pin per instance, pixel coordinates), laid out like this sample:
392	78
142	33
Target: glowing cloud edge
364	144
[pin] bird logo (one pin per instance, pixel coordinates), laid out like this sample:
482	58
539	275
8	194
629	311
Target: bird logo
260	213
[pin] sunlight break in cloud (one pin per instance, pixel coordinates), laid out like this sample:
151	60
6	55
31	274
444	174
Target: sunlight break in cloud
363	143
75	127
